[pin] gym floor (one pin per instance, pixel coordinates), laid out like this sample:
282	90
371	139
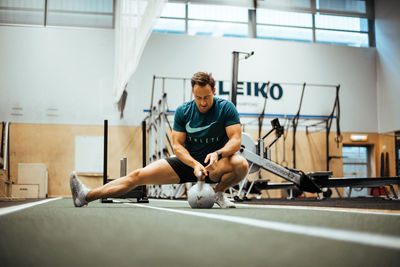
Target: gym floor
169	233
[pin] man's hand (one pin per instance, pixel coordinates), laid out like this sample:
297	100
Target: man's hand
212	158
200	168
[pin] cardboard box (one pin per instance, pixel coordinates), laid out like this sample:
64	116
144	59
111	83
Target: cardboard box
25	191
34	174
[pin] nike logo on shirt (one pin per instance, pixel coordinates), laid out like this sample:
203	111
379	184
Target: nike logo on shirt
197	129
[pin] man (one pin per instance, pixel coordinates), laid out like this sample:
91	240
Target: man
205	136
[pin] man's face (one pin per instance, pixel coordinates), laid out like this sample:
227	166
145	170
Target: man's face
203	96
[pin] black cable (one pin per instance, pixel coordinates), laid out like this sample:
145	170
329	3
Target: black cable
261	117
8	153
3	126
295	122
339	137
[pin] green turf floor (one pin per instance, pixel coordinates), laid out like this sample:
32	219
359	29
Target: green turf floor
57	234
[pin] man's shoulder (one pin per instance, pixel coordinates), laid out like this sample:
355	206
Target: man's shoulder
223	103
185	106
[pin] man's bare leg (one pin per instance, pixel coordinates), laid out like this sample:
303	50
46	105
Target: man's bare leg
158	172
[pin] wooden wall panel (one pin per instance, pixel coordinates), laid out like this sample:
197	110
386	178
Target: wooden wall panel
54	145
4	187
387	144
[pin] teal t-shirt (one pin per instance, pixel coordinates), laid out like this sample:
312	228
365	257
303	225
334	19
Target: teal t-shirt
205	133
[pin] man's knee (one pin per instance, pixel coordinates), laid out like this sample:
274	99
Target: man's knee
240	164
134	177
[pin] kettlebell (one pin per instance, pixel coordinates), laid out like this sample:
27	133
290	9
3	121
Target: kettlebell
201	195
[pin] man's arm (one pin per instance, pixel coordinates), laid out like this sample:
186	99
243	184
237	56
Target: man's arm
234	133
178	141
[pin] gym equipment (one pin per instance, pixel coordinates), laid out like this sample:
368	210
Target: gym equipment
139	193
201	195
262	159
5	160
397	152
5	149
314	182
159	143
327	120
235	71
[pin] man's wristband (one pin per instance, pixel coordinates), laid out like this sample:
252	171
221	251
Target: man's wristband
219	154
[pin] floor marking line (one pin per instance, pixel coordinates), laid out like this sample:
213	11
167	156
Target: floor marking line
370	239
333	209
330	209
4	211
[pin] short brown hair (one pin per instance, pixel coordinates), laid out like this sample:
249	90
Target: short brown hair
202	79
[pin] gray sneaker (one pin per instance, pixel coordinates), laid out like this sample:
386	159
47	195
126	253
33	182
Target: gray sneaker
78	190
223	201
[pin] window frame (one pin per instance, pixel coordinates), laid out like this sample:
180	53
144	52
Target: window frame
368	157
312	9
45	11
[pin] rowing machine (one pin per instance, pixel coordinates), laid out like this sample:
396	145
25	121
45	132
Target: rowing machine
259	156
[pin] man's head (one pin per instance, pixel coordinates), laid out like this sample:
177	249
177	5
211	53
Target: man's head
203	88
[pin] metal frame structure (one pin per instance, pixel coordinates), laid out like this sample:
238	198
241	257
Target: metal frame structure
258	155
397	152
159	143
235	72
5	149
139	193
335	114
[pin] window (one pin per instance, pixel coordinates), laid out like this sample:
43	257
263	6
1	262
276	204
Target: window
355	164
284	33
342	38
217	20
273	24
212	28
210	20
355	161
283	18
22	12
220	13
80	13
174	10
356	6
285	4
343	22
172	19
341	30
170	26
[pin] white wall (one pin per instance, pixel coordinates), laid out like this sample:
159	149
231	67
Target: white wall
71	70
353	68
65	70
387	25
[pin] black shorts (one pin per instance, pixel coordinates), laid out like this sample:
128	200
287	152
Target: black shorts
185	172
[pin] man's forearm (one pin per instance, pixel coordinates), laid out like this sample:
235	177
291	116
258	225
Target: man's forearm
230	148
184	155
